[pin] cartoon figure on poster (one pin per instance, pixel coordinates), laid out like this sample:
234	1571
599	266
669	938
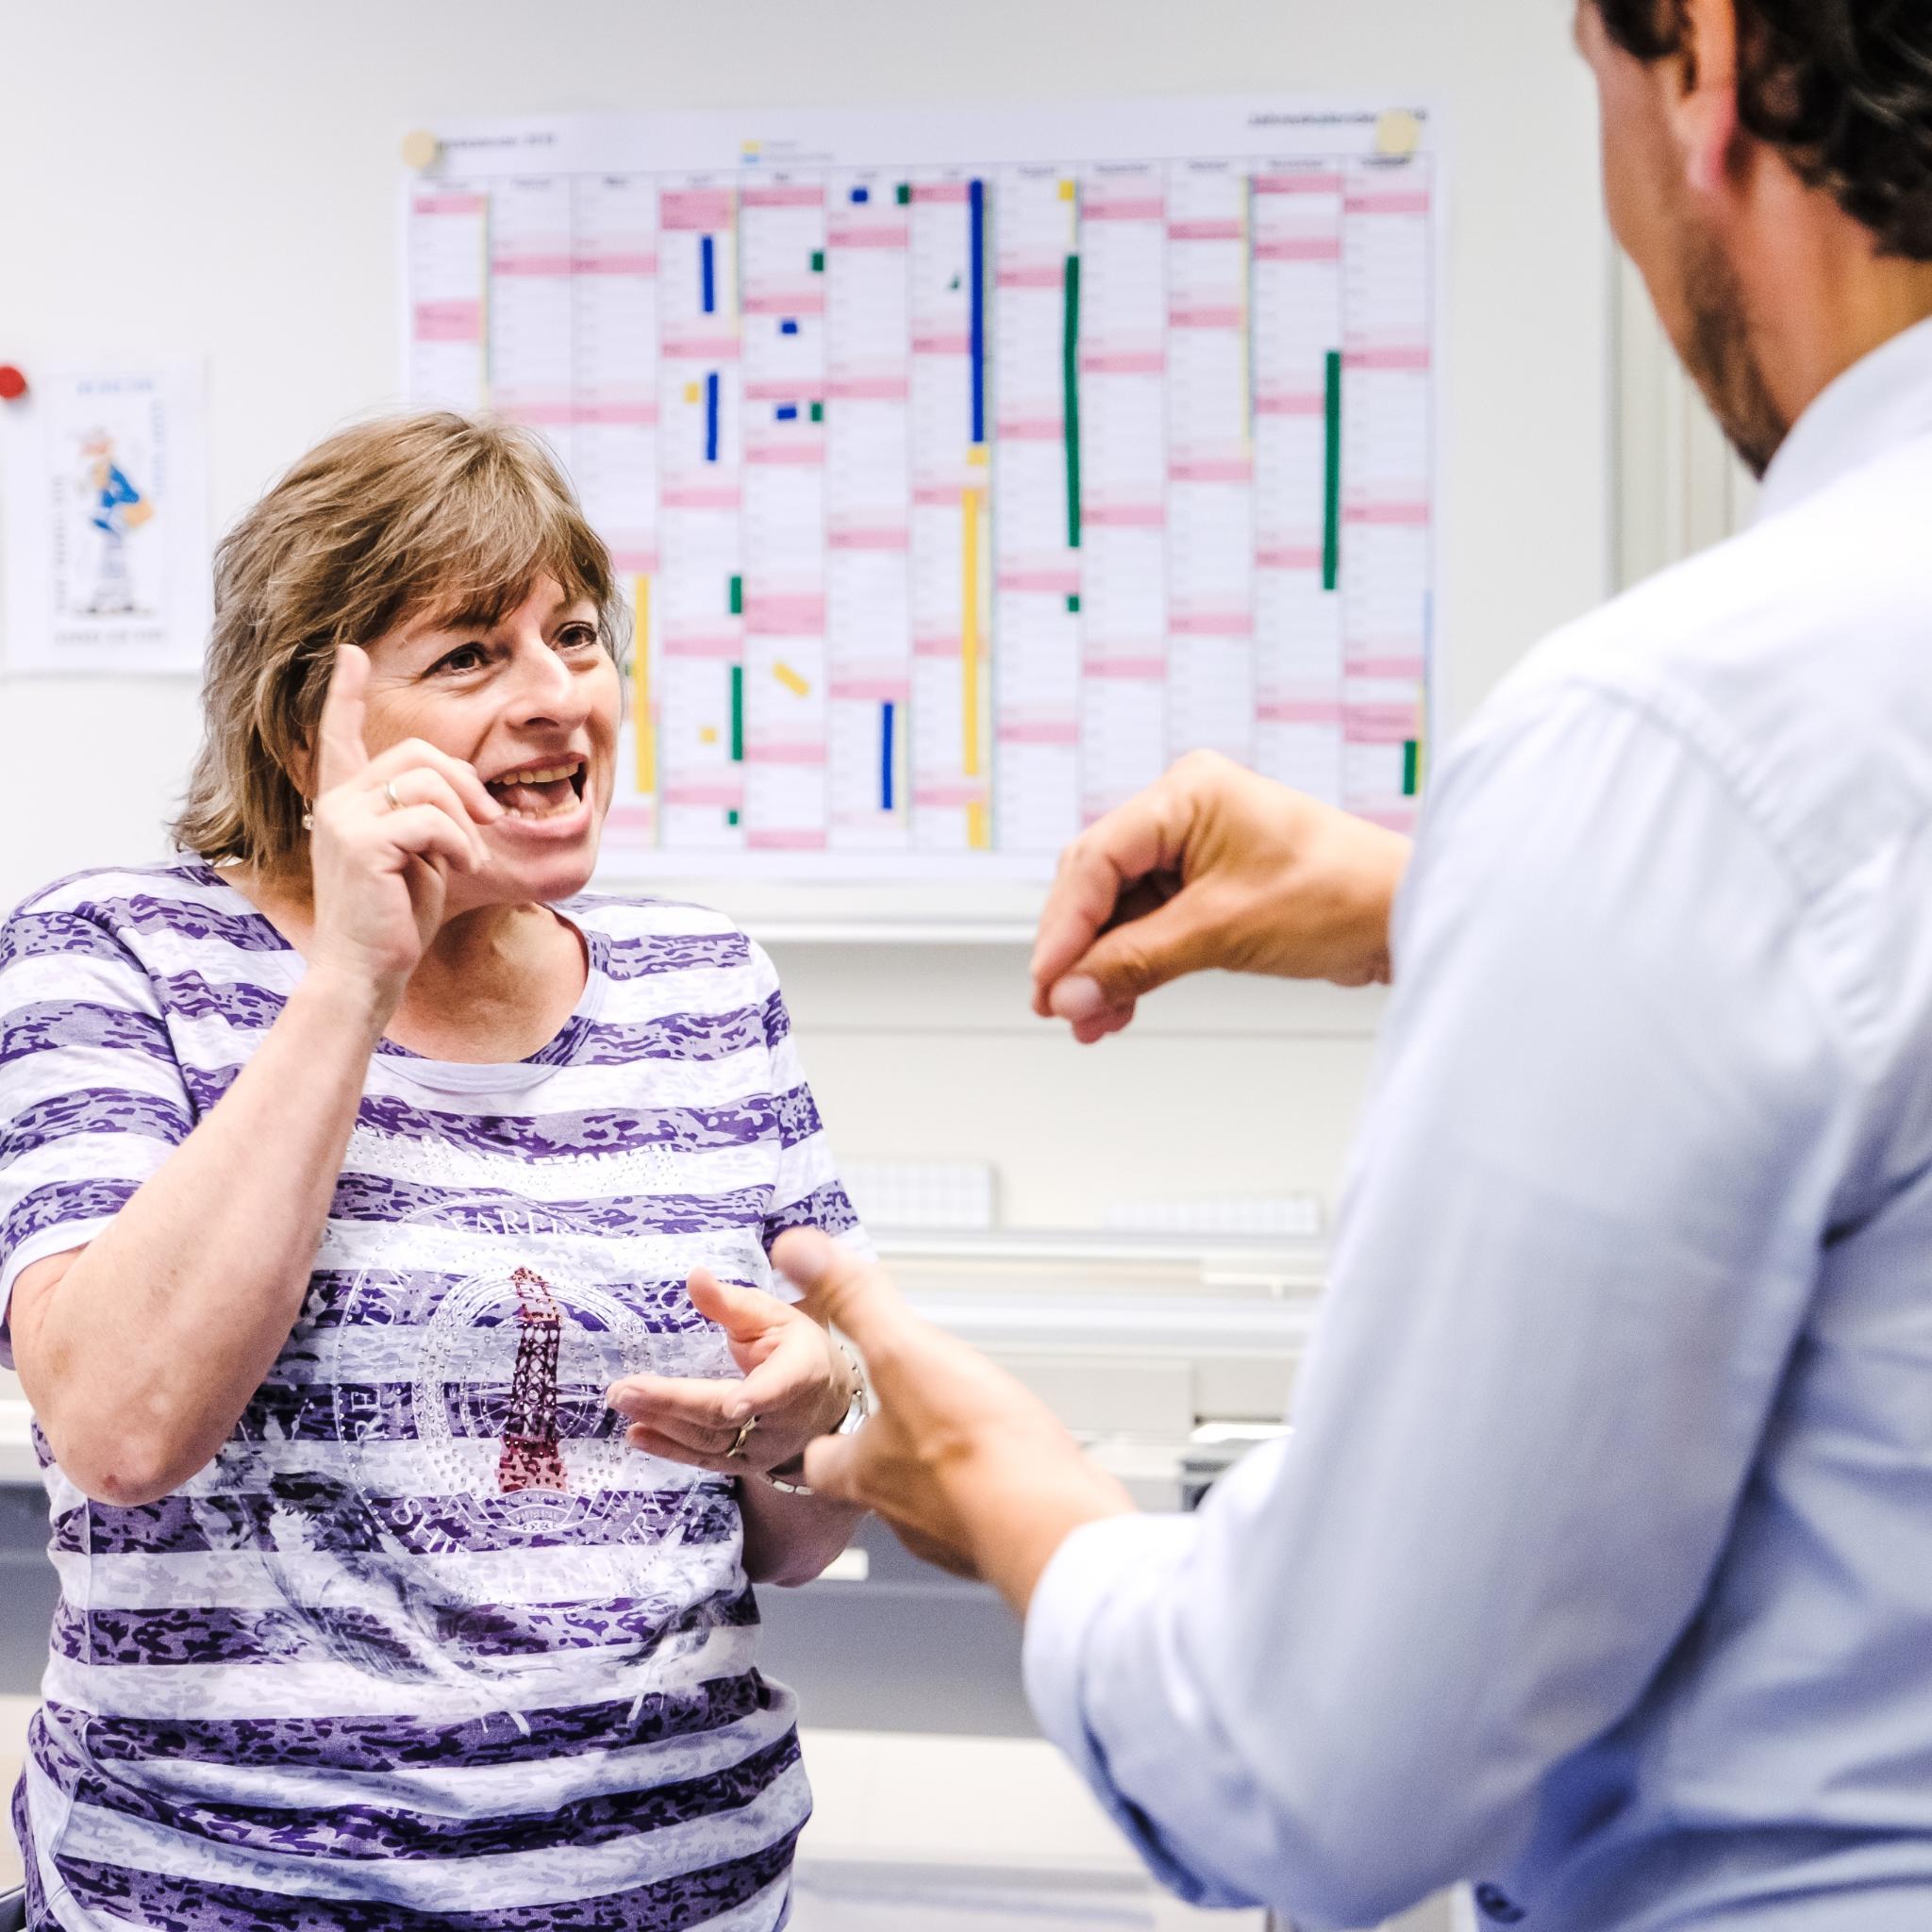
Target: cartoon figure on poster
118	507
108	447
104	529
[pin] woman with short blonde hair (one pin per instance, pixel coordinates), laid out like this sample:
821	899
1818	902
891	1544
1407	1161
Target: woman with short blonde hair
376	1211
381	520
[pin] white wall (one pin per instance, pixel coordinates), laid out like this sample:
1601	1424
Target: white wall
1680	486
218	177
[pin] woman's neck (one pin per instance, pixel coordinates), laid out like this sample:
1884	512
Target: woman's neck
495	983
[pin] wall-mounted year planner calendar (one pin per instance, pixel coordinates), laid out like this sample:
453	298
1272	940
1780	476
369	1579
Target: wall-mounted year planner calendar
966	466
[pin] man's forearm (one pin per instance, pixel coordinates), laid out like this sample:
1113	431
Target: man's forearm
1018	1519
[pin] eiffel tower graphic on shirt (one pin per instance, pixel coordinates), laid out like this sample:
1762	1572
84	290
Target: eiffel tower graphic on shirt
530	1458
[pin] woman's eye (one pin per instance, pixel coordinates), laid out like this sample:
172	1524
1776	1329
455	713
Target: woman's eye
575	637
464	657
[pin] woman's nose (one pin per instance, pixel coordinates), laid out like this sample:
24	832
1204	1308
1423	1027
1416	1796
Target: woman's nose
544	686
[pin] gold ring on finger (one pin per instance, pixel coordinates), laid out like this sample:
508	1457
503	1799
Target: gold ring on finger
389	792
742	1436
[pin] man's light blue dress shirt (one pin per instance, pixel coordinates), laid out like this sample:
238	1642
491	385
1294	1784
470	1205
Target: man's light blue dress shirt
1599	1567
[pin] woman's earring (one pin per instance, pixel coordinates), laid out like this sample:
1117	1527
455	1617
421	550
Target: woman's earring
308	816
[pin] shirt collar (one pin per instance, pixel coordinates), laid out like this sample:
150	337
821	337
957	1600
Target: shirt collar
1882	400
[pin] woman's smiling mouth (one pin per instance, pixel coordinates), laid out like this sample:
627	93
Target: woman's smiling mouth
540	791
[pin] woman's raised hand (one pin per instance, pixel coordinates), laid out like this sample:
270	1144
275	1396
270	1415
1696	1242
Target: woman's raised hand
389	830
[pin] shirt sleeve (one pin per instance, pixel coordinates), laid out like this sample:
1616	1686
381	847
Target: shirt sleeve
1579	1233
808	1191
92	1097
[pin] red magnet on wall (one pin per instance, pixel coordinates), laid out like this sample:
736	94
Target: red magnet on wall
12	383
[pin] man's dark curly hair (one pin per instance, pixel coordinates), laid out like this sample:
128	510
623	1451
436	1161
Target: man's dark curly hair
1843	87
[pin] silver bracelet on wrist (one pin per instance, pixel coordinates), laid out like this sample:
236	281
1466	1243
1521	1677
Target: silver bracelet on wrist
856	1412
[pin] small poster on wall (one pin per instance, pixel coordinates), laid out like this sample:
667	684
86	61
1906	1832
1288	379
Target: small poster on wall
104	520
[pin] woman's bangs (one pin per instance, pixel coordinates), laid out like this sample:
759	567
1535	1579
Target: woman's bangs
489	557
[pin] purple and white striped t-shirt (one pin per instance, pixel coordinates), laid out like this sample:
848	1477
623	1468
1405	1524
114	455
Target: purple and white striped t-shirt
426	1644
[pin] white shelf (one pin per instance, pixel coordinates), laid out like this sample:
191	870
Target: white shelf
967	911
1172	1327
1286	1268
884	932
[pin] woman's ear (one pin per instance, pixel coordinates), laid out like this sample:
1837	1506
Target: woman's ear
299	761
298	768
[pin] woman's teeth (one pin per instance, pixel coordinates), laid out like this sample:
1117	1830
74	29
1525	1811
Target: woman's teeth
541	792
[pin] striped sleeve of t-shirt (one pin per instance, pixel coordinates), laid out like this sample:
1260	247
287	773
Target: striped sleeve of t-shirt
427	1645
93	1098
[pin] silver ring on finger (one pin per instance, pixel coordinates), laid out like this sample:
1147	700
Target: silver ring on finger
390	792
742	1436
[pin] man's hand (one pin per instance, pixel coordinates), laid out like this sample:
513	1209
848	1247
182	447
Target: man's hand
1213	865
973	1473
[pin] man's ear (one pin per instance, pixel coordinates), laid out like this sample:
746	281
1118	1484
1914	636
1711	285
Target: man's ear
1706	111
